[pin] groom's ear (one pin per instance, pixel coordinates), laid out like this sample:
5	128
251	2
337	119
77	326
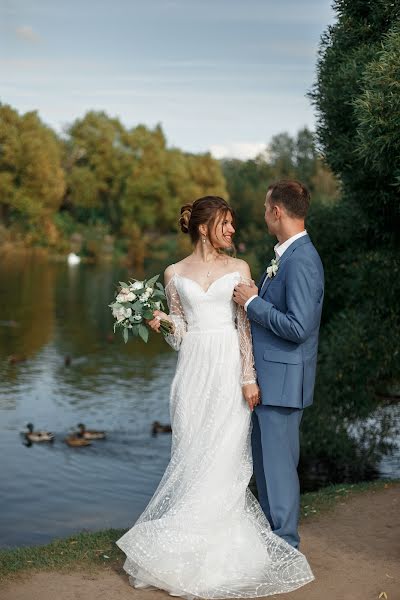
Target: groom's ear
278	211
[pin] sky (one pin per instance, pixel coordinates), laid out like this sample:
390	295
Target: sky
219	75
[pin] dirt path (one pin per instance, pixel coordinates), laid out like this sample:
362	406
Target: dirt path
354	552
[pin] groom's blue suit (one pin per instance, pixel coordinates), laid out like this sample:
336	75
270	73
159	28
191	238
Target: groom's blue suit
285	319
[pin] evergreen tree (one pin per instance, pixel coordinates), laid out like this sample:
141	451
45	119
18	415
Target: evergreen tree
357	96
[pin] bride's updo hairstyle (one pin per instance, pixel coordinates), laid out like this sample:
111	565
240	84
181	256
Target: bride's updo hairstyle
208	210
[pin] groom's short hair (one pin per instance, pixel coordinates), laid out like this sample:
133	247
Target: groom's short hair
292	195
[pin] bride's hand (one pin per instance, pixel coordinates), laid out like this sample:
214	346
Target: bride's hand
154	324
251	393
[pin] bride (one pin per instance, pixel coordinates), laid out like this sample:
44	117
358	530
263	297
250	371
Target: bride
203	534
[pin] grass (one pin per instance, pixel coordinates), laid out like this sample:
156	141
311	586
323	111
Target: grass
88	549
325	499
98	549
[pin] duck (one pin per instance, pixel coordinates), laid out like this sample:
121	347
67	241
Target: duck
38	436
75	441
157	427
90	434
14	359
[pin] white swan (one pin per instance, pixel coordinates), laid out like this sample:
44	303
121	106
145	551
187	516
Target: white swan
73	259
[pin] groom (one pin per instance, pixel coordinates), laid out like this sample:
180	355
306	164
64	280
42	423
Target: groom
285	314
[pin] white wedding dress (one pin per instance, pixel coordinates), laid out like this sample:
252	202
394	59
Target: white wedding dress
203	534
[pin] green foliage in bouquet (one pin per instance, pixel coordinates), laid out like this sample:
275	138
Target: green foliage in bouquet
135	303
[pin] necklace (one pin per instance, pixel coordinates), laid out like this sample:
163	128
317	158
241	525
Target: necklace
211	268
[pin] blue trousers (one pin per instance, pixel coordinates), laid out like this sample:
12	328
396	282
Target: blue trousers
276	450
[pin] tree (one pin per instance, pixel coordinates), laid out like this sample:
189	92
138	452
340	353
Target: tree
281	155
145	195
357	95
96	157
357	99
31	178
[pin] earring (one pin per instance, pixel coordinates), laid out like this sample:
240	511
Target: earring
204	239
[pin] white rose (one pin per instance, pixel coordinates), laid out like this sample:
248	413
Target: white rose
118	314
136	285
121	313
269	271
125	295
149	291
144	297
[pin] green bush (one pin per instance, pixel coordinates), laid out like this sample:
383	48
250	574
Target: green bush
357	96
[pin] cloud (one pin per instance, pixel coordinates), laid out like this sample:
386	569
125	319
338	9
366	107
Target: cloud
241	150
26	33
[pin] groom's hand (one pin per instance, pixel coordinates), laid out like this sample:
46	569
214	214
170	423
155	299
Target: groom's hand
244	291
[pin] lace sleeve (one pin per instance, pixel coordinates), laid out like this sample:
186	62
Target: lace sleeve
246	346
176	315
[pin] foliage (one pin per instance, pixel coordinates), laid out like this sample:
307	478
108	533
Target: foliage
31	177
356	360
357	98
100	177
129	178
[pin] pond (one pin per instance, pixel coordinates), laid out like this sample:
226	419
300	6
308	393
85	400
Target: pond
68	367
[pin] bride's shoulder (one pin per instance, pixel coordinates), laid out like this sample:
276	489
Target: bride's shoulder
169	273
241	266
172	270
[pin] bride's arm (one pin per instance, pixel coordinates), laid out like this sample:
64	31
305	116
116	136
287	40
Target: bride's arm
176	313
248	375
246	347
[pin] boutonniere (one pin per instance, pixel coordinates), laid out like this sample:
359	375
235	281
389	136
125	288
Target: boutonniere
273	268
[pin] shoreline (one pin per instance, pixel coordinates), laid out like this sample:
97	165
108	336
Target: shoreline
351	543
94	550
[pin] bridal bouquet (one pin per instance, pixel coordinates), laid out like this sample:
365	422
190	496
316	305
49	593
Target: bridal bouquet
136	301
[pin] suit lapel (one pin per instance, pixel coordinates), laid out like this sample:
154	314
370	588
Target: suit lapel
266	283
263	276
305	239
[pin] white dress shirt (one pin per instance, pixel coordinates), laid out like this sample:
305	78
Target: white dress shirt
279	250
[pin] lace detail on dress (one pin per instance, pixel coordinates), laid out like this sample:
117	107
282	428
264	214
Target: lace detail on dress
245	344
176	315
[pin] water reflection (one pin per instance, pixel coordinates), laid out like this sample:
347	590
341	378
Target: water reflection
54	490
27	301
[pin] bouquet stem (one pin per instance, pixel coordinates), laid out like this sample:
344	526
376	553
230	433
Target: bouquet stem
166	326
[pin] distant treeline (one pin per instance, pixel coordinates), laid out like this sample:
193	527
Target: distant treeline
99	174
101	178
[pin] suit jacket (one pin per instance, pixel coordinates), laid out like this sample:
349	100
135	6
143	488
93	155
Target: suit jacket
285	320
